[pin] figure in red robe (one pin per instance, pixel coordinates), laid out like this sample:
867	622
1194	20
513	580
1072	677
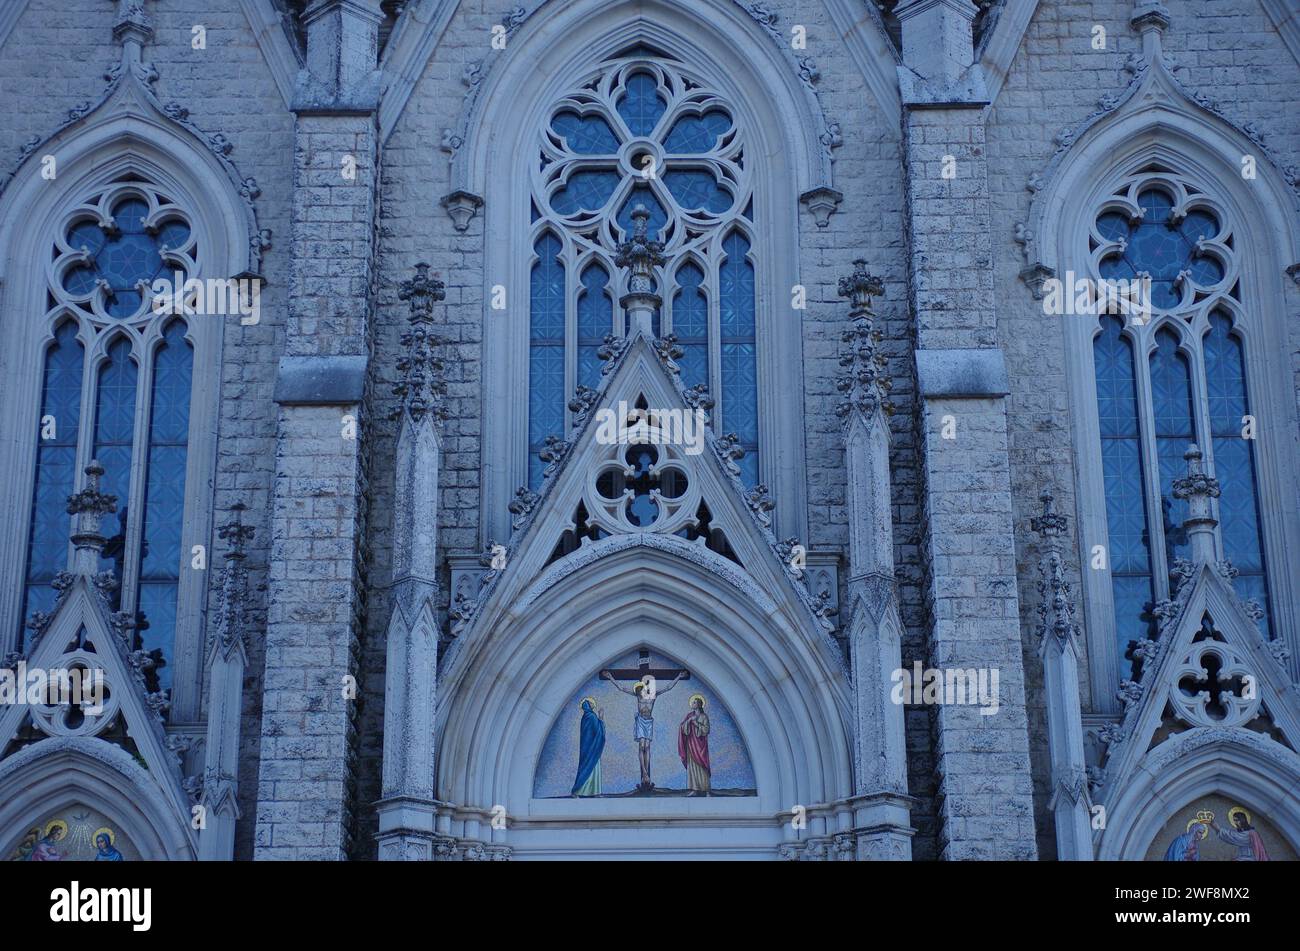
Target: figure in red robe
693	747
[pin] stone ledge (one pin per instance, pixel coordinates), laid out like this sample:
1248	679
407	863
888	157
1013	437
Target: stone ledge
320	380
970	374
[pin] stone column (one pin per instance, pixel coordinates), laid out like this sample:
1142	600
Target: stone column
881	816
1058	646
227	658
407	810
985	804
316	586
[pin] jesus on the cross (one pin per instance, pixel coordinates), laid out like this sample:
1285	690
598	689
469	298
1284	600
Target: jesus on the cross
643	724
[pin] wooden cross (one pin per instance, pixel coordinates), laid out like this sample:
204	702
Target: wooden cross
643	670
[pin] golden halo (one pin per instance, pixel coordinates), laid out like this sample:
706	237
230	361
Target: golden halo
112	836
1197	822
57	824
639	683
590	700
700	697
1238	810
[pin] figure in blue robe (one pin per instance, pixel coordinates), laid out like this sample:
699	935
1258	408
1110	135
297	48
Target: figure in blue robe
1186	847
591	743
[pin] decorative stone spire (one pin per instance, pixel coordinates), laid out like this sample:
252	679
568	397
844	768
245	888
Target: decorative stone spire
1197	488
642	255
422	388
1056	610
132	24
88	506
1150	19
1070	800
232	611
865	384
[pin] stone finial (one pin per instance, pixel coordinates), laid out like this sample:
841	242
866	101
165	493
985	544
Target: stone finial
132	23
231	625
1051	524
422	388
89	506
1056	608
641	255
860	287
864	383
1197	488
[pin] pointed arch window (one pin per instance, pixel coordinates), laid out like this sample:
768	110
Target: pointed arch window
117	383
642	129
1164	382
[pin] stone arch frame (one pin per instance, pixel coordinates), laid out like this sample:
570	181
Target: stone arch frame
781	116
58	773
130	140
491	730
1238	764
1171	131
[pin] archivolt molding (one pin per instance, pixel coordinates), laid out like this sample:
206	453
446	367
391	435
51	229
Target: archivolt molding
500	699
1152	107
635	366
63	772
1240	764
693	552
672	25
1177	654
128	110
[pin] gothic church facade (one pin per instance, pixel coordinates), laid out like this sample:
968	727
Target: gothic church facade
604	429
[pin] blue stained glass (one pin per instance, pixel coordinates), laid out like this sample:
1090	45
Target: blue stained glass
1122	474
123	258
56	460
595	320
164	513
585	191
1234	466
1160	247
114	434
586	135
691	325
156	617
739	363
641	105
695	135
642	195
1171	398
546	395
696	189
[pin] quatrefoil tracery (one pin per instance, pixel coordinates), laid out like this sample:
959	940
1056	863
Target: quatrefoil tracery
641	487
1214	686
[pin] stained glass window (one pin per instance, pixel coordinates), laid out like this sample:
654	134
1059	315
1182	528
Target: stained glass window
1234	462
139	373
1162	227
547	294
643	131
56	464
164	513
1121	461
